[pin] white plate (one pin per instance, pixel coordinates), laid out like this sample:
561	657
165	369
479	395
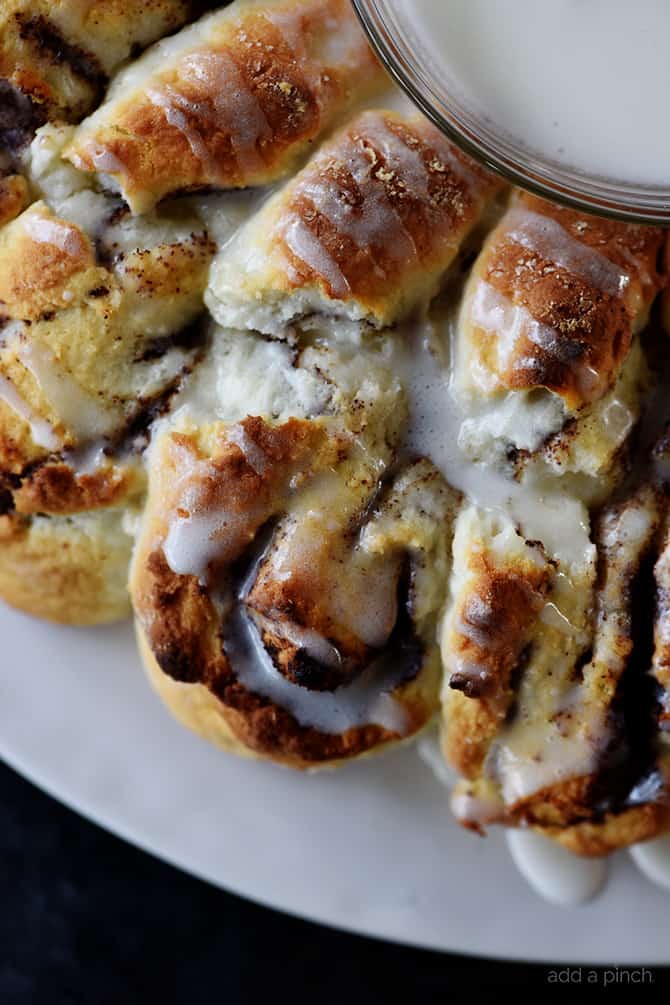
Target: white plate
371	848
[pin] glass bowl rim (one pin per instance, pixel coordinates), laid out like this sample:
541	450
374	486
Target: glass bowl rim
550	181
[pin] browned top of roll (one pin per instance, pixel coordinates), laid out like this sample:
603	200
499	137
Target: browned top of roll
234	105
557	296
388	194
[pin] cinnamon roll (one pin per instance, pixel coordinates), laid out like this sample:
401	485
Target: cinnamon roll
99	323
286	583
231	102
363	233
551	712
548	365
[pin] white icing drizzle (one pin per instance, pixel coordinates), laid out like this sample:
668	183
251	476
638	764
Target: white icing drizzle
546	515
538	755
342	43
315	645
46	231
618	420
410	164
172	104
88	459
197	533
562	524
307	247
75	408
554	872
361	594
287	24
367	700
237	111
653	859
475	809
189	544
41	431
407	163
192	542
527	758
552	615
102	159
375	224
546	237
499	317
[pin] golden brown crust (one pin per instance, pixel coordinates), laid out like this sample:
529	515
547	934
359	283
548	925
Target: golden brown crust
497	618
193	705
246	725
594	732
41	258
181	627
227	482
14	197
585	285
306	595
58	56
366	230
56	488
487	636
614	831
339	586
243	475
234	109
84	332
69	572
428	192
303	600
626	534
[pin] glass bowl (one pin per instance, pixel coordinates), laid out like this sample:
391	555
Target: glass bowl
399	50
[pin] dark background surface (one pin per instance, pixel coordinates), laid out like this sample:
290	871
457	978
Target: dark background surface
88	918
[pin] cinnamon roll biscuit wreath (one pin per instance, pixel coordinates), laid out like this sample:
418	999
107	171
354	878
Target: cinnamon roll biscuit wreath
362	438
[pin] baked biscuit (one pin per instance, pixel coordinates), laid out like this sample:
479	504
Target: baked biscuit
56	57
565	741
96	324
547	363
230	102
99	323
365	232
271	582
